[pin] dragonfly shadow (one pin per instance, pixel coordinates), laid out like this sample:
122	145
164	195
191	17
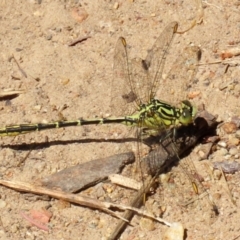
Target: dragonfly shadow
42	145
168	148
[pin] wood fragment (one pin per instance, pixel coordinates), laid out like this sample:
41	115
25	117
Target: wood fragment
224	62
84	175
78	40
125	181
6	94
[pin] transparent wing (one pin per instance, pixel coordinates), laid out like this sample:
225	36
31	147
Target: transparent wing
140	81
189	170
181	76
135	82
123	94
148	73
156	57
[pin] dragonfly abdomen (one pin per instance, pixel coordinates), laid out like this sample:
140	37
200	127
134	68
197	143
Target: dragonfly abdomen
15	130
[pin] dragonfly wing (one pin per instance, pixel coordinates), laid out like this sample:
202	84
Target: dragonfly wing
189	171
175	86
146	74
136	82
156	57
140	81
123	95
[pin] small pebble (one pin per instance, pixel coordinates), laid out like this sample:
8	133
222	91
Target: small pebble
48	37
222	144
217	174
233	141
38	14
93	223
164	177
147	224
2	204
37	107
202	154
66	224
61	204
65	81
227	157
14	228
237	135
58	29
79	14
227	166
222	152
233	151
175	232
217	196
229	127
116	5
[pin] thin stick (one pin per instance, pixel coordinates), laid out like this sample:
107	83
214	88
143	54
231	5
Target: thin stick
20	69
81	200
78	40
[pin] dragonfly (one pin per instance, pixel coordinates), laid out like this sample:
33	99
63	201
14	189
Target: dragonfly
134	89
148	112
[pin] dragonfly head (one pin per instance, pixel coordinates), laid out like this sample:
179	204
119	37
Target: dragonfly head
188	113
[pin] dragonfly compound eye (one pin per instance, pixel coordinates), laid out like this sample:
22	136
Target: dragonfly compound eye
188	113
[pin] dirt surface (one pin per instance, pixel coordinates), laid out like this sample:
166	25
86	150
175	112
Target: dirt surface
70	82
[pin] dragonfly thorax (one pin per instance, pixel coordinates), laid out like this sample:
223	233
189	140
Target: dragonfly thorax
158	114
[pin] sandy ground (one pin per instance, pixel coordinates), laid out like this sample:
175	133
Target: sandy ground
73	82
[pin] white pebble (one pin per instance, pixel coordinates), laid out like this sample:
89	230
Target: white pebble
175	232
222	144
